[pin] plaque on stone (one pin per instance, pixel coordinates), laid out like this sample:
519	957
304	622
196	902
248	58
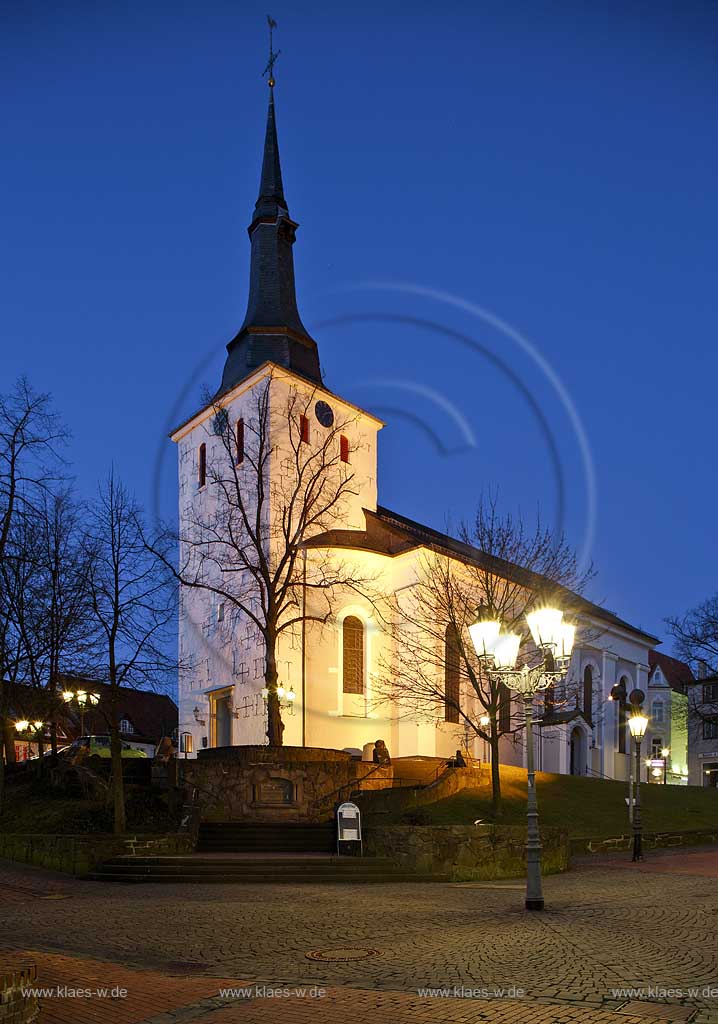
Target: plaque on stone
274	791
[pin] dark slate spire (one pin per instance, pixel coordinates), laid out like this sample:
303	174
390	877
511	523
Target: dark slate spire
272	329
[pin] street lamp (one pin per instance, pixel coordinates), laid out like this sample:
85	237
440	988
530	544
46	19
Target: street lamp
285	697
554	638
637	723
665	754
82	700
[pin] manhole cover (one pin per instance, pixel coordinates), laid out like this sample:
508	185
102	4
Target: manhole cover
185	967
342	954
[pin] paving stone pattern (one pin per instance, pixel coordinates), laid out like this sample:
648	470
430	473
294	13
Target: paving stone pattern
608	925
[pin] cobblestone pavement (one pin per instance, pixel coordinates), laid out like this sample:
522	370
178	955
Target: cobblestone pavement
609	927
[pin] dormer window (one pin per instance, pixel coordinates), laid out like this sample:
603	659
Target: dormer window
126	726
202	465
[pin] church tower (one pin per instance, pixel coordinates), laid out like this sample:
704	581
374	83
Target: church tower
221	652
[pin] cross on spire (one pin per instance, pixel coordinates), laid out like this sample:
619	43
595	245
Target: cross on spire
272	55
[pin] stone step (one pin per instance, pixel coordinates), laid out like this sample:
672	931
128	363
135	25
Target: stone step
303	878
246	863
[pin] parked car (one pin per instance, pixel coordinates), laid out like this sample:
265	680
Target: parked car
99	746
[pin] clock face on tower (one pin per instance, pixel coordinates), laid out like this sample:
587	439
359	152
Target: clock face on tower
324	414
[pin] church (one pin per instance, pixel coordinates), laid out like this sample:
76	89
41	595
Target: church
273	416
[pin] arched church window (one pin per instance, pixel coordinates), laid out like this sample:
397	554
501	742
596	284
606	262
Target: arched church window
344	448
452	675
353	654
304	429
202	465
239	440
588	693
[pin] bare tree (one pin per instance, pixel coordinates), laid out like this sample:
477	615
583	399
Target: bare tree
30	438
500	563
696	635
273	488
133	602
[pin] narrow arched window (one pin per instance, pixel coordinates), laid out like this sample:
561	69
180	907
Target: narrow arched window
353	655
202	465
304	429
588	693
344	448
452	675
239	439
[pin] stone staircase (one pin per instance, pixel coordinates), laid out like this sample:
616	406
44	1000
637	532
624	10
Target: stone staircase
238	837
248	869
253	854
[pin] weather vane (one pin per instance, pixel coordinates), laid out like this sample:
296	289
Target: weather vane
272	55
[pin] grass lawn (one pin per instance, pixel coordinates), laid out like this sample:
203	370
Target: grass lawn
586	807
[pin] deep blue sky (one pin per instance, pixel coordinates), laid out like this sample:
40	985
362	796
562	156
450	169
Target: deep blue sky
554	164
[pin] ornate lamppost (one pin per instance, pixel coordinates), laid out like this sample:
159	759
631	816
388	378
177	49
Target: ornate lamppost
637	723
553	638
82	700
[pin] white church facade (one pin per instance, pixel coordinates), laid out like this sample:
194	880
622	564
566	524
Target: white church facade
328	670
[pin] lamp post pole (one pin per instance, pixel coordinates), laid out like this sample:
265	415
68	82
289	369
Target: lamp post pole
553	638
534	888
637	828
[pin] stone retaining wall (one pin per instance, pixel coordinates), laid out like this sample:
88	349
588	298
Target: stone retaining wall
79	855
600	844
465	852
277	784
17	1007
390	803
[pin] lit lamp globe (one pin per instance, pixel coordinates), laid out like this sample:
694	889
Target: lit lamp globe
665	752
506	651
22	726
566	640
484	632
67	696
638	725
545	625
484	721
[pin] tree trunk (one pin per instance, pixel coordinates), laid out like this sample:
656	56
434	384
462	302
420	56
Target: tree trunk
495	772
2	776
118	785
7	737
275	725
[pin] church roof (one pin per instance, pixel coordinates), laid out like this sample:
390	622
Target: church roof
272	330
391	534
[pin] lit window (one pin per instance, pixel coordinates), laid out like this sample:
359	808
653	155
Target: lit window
353	655
304	429
656	746
344	448
239	438
126	725
202	465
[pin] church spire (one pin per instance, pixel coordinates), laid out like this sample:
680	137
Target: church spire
272	330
